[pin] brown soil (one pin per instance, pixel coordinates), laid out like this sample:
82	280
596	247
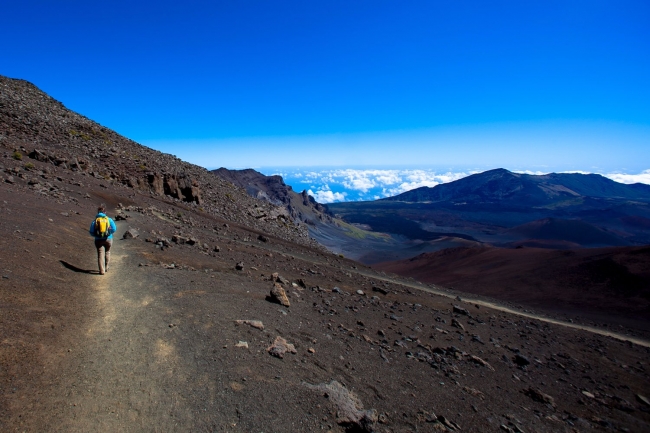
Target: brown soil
148	347
605	285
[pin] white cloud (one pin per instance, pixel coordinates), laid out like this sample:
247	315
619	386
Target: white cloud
327	196
643	177
379	183
362	184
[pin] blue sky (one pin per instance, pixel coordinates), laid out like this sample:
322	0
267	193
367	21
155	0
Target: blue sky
553	85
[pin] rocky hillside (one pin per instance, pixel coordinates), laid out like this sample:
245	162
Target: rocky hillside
301	206
35	126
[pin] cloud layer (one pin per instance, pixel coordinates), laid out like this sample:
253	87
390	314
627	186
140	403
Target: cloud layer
336	185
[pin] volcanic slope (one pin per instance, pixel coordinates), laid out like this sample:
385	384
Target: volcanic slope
176	336
605	284
335	234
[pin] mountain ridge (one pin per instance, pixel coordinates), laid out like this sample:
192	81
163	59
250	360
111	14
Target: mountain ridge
486	207
499	185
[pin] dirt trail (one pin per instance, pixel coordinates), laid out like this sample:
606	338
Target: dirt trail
126	365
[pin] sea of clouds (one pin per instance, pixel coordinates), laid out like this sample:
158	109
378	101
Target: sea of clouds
329	185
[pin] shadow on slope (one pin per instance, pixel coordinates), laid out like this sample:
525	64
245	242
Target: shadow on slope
574	232
76	269
603	280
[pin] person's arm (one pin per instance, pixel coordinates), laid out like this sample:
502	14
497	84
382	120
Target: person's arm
113	226
92	228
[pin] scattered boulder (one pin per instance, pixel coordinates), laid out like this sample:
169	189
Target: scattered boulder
380	290
521	360
476	360
456	324
279	347
277	278
257	324
474	392
350	412
179	239
588	394
262	238
539	396
239	266
130	234
279	295
460	310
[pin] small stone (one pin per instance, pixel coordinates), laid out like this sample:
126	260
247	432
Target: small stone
279	347
539	396
243	344
643	399
311	350
257	324
588	394
456	324
521	360
360	292
379	290
278	295
239	266
459	310
479	361
130	234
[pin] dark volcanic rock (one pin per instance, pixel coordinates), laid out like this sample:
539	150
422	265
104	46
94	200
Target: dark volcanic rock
301	207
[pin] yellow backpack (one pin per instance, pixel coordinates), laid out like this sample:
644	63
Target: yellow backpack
102	226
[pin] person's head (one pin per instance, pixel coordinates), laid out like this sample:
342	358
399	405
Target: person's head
101	208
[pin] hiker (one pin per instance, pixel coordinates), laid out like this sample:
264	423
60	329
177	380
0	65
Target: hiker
102	228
